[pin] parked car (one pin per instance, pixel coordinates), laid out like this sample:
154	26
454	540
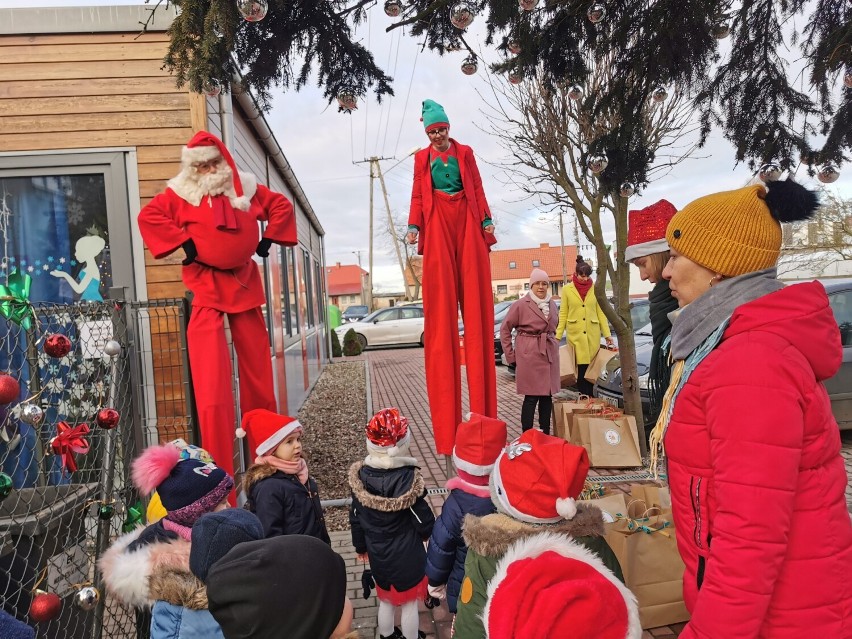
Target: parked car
355	313
839	387
387	327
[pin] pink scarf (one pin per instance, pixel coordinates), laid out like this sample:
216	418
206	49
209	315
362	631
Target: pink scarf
298	468
185	532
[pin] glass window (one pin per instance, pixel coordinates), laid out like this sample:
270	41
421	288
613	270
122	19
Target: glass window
319	285
307	284
502	289
536	263
292	291
512	265
527	286
410	312
841	305
387	315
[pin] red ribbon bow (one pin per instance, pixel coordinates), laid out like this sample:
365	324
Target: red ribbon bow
70	440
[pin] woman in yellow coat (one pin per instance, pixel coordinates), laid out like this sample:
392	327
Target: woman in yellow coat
584	321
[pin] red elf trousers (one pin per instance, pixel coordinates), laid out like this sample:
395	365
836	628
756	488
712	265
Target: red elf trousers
213	378
456	271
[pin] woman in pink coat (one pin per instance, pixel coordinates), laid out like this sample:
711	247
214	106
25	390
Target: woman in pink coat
535	351
752	448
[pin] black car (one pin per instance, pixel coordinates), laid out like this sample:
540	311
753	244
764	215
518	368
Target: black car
354	313
839	387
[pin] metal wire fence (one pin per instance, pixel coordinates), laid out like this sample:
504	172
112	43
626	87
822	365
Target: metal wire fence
97	382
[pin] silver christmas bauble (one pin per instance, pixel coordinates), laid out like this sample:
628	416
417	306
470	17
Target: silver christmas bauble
828	174
528	5
513	47
596	13
769	172
347	101
32	414
659	94
112	348
721	30
516	76
626	189
253	10
597	163
393	8
469	65
87	598
847	78
461	15
575	92
212	87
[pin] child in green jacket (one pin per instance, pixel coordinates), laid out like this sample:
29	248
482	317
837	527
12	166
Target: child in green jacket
534	485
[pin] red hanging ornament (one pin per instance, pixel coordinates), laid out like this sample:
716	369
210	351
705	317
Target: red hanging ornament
68	441
57	345
45	606
107	418
9	388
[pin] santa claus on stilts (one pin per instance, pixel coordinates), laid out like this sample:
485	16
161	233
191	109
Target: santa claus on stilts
211	211
451	223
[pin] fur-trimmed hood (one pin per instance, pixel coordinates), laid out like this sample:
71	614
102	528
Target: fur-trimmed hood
491	535
155	572
256	473
385	504
188	189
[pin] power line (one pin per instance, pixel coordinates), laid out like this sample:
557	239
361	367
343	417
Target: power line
407	95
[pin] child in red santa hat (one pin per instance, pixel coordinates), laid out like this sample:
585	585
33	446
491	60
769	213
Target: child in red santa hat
390	521
534	485
279	489
479	441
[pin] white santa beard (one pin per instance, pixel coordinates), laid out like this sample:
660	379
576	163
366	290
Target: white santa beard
214	183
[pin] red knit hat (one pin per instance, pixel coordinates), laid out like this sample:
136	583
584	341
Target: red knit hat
387	432
205	146
538	478
265	430
550	587
479	441
646	232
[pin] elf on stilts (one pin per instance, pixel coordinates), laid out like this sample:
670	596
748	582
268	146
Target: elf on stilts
451	223
211	211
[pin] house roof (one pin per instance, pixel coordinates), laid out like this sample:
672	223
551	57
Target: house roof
549	258
344	279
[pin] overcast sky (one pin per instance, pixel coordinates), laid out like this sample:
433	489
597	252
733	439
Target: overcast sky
321	145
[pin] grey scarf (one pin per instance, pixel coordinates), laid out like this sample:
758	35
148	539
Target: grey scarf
698	320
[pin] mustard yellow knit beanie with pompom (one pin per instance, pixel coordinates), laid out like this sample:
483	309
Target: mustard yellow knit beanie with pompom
731	233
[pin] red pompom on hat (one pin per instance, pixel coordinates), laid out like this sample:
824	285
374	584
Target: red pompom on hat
548	586
646	233
205	146
479	441
538	478
387	432
265	430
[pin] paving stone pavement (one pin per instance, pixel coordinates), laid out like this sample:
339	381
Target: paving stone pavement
397	378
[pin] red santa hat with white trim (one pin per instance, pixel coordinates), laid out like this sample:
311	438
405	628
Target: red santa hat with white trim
646	233
479	441
538	478
203	147
265	430
548	586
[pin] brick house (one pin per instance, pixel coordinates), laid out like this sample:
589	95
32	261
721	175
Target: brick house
510	268
346	285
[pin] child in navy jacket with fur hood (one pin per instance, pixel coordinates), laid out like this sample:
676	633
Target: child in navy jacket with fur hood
391	521
479	442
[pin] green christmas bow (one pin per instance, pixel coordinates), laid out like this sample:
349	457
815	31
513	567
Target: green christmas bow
134	517
15	299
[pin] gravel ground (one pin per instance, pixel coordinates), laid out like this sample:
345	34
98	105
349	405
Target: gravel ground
334	416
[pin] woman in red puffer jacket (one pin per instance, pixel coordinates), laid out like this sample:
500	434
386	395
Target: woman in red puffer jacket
752	448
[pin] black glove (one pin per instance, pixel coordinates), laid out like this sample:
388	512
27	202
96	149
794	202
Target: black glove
367	582
263	247
431	602
191	252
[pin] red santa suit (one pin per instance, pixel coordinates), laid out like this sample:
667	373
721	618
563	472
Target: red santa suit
224	279
456	272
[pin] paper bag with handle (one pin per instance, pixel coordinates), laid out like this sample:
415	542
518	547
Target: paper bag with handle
610	438
567	366
598	364
564	411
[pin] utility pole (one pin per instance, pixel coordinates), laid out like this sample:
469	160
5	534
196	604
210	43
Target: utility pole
392	231
372	161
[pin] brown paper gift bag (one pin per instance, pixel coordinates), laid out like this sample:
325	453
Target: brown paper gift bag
610	438
611	506
598	364
653	496
652	567
567	365
563	412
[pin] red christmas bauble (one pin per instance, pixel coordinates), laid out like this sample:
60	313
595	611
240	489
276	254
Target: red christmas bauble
45	606
57	345
107	418
9	389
